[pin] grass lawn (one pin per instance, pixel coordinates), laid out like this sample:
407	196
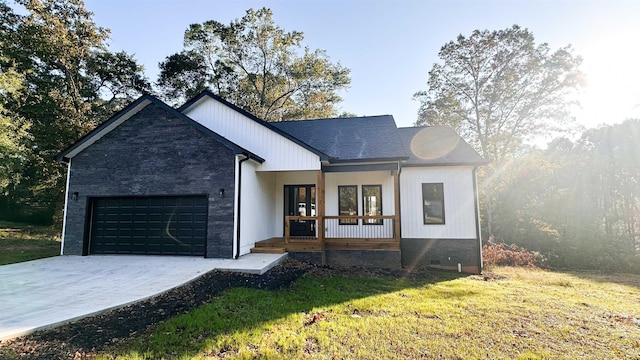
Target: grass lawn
517	314
21	242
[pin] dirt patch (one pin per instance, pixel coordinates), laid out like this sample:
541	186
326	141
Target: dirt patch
488	276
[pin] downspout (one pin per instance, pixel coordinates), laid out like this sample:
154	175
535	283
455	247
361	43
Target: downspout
477	212
239	198
399	203
66	204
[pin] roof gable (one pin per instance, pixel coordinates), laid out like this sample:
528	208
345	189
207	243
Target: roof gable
192	103
132	109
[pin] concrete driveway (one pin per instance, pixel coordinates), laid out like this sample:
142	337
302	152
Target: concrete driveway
47	292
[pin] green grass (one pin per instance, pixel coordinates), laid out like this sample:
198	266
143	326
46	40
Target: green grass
530	314
21	242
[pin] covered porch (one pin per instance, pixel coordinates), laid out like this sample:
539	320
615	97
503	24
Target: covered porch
326	215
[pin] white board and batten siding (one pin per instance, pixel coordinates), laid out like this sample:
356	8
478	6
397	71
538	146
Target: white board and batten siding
459	202
258	199
279	152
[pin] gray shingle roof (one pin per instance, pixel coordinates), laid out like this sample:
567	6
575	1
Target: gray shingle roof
437	145
368	138
377	138
359	138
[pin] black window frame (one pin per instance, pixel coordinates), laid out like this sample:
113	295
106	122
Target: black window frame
364	206
347	222
439	197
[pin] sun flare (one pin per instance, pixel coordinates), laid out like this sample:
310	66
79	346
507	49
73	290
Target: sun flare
612	93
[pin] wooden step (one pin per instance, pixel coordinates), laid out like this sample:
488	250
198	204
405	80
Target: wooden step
273	242
268	250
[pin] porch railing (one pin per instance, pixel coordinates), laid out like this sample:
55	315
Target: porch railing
360	227
308	223
303	229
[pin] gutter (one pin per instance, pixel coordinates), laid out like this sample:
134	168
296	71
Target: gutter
334	160
239	198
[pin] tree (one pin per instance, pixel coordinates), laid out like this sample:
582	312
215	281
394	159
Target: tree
499	89
71	83
12	134
256	65
577	203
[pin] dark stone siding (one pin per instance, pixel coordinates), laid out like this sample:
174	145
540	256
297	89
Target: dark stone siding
382	259
154	153
311	257
442	253
377	259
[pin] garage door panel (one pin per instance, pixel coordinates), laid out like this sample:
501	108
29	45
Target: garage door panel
167	225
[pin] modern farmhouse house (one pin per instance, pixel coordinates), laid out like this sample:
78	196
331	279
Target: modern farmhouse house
209	179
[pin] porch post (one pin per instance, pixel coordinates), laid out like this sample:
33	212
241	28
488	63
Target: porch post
396	196
287	229
320	206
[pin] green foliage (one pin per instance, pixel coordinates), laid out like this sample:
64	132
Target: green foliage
70	84
20	242
500	88
256	65
13	132
577	203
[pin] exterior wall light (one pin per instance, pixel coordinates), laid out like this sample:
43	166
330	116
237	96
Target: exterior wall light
74	196
221	193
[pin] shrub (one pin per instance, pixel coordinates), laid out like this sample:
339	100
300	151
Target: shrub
504	255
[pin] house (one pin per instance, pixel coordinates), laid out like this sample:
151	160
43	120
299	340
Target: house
209	179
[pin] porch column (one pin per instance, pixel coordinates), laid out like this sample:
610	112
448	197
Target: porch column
396	197
320	206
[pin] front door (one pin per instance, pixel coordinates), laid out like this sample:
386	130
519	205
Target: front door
300	200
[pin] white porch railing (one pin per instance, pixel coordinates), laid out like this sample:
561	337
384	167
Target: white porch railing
359	227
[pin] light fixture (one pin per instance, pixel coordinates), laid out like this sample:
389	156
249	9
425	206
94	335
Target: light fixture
221	193
74	196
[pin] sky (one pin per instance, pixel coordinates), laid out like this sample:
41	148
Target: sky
390	46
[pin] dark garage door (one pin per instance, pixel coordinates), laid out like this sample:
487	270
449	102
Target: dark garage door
168	225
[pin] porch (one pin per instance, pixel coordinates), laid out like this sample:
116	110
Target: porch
345	209
338	233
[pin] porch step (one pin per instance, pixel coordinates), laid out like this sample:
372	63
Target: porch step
268	250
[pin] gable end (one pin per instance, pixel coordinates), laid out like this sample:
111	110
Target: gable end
195	100
131	110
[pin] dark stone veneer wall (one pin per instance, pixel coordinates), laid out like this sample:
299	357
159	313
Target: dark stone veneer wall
154	153
414	253
442	253
383	259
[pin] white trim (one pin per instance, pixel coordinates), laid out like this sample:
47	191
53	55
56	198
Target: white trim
107	129
66	203
235	208
196	103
